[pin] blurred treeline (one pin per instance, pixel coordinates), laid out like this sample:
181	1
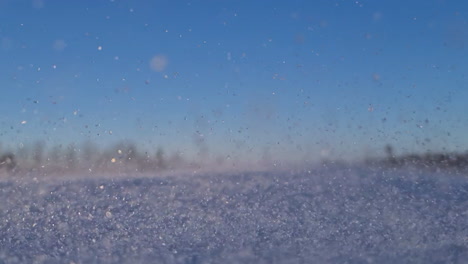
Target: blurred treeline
88	156
440	160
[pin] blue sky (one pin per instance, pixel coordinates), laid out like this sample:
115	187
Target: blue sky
287	80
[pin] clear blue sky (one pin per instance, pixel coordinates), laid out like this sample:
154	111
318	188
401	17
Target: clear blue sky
249	79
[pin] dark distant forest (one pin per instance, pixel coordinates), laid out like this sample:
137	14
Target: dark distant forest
439	160
122	156
125	157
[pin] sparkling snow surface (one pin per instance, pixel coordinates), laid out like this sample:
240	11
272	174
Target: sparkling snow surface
336	215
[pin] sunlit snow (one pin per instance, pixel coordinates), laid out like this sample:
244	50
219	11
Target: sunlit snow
328	215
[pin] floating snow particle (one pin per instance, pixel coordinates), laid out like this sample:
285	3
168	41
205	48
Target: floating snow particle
59	45
113	160
23	122
376	77
377	16
116	58
101	187
54	66
99	48
158	63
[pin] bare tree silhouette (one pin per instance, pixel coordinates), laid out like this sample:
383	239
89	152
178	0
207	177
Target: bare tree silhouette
7	161
160	159
71	156
38	153
390	154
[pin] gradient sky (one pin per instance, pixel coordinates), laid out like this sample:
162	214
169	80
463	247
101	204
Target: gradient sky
286	80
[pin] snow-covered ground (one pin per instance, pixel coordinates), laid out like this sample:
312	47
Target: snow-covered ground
334	215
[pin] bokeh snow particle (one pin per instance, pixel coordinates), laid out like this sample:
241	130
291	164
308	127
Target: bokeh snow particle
158	63
376	77
59	45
